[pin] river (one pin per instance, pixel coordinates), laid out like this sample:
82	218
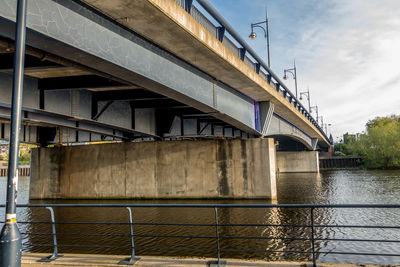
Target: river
331	187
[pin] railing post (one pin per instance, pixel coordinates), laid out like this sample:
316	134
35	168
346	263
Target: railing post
132	260
312	238
218	262
55	255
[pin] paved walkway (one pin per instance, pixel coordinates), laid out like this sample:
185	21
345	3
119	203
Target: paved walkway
30	260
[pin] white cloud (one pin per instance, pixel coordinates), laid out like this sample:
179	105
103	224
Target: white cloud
350	59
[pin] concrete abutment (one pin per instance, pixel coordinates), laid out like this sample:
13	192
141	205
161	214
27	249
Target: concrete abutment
164	169
297	161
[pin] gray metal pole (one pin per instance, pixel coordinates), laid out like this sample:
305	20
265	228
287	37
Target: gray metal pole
267	24
10	238
309	101
295	76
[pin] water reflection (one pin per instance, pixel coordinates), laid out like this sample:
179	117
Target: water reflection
328	187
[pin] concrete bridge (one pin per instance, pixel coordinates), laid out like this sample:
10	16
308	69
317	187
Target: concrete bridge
150	70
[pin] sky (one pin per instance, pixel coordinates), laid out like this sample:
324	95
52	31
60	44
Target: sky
347	53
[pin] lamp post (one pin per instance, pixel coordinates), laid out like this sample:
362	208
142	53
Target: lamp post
266	33
316	110
10	237
327	125
322	121
293	72
307	94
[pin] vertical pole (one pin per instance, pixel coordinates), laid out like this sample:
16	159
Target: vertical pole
53	228
217	234
55	255
309	101
295	76
131	231
312	238
267	26
10	238
132	260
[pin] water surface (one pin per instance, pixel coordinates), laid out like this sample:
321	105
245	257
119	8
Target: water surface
332	187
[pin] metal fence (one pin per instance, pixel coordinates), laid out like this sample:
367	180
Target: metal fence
306	245
22	171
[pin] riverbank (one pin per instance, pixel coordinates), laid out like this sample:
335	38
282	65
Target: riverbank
30	260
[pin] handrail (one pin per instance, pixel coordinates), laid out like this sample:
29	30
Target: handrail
313	236
171	205
221	20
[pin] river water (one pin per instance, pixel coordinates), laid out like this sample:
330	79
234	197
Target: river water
331	187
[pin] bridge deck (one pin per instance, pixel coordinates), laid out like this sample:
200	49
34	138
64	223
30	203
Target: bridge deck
169	25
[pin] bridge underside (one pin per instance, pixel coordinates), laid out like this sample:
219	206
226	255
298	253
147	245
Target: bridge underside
90	79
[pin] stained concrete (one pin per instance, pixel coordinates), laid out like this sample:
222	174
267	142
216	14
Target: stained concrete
297	161
164	169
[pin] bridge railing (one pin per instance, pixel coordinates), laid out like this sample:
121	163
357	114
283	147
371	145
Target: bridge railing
312	241
241	49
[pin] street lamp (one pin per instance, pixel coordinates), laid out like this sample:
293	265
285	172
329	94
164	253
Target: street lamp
322	121
293	72
316	109
266	33
307	94
327	125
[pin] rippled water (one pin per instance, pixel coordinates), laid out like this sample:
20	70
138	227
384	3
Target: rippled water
333	187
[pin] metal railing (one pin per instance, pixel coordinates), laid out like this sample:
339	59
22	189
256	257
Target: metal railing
263	69
306	242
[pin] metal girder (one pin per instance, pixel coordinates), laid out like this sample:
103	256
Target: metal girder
127	95
49	119
242	53
6	62
45	72
96	117
220	33
142	62
266	113
76	82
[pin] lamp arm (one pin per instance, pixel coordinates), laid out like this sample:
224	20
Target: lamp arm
290	71
258	26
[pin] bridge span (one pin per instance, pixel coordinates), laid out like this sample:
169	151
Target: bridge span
149	70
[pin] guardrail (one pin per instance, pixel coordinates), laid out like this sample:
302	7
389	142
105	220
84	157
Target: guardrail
22	171
258	66
331	163
307	242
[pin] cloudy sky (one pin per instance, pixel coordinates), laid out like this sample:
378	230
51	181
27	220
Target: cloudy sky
347	52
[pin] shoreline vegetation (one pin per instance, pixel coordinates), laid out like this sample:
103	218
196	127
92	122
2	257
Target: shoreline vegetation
378	146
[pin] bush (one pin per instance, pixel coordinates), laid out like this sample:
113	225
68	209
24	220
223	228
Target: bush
380	146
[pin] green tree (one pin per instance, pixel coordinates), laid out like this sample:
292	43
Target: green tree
380	146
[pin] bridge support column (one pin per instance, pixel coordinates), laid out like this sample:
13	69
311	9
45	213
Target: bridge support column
297	161
165	169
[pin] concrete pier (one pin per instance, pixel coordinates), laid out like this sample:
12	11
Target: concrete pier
297	161
242	169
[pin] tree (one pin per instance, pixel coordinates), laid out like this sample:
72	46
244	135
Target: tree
380	146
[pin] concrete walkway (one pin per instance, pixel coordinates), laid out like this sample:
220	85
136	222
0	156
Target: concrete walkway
30	260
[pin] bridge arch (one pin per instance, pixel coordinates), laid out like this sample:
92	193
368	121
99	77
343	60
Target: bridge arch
281	128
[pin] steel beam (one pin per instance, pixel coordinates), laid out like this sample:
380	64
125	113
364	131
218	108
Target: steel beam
44	118
142	62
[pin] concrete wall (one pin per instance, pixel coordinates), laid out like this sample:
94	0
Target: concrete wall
297	161
169	169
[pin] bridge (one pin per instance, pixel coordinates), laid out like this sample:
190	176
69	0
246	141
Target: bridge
150	70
